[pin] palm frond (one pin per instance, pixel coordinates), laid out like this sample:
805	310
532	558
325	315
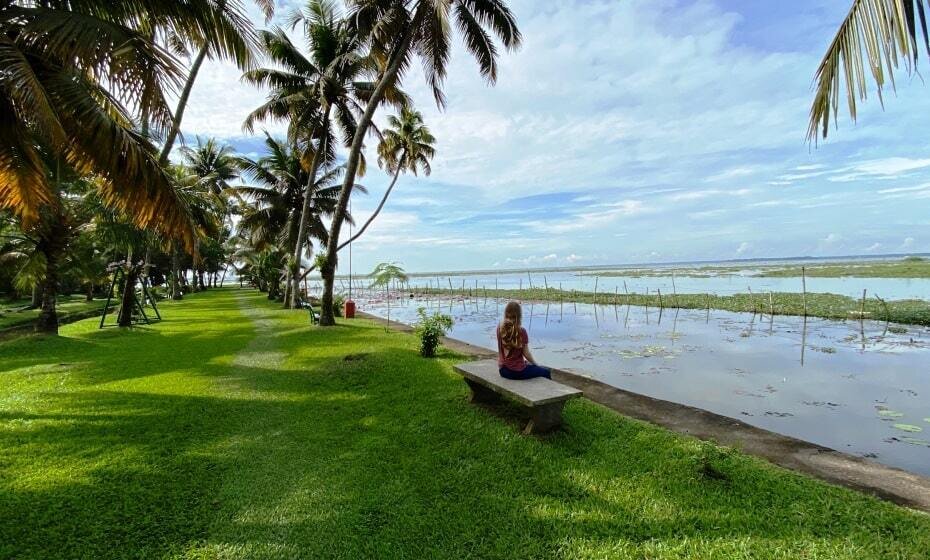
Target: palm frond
874	39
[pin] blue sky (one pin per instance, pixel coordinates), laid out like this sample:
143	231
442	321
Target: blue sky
630	131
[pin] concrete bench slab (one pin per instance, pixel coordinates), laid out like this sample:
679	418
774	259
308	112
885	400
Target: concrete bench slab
544	397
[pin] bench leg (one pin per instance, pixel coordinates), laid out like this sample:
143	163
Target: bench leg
545	418
481	394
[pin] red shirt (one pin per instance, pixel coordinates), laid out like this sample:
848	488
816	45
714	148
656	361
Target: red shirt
514	360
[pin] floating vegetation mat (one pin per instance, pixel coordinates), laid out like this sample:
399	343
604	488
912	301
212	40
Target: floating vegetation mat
908	428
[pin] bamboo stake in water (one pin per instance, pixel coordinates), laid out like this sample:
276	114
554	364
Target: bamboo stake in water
752	301
624	288
862	306
595	291
660	299
771	305
804	300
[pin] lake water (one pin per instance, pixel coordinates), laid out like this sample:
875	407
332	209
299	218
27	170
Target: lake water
851	386
723	284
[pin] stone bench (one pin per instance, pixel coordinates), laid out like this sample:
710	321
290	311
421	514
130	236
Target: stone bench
544	397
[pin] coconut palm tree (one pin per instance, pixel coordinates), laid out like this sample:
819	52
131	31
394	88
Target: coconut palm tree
278	199
874	38
204	50
214	164
398	31
319	95
71	71
407	145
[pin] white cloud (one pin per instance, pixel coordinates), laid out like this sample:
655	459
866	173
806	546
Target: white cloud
881	169
743	247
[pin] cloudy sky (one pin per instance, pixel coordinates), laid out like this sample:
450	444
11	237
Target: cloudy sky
628	131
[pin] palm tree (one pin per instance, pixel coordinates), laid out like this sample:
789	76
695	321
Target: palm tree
70	70
203	51
279	198
314	93
407	146
214	164
382	277
876	34
398	31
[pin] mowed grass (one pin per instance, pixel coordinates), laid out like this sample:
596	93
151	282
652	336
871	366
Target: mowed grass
12	314
233	429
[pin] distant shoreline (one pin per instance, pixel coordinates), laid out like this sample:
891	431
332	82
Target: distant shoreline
768	261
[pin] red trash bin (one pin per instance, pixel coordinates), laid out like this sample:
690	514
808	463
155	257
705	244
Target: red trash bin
349	309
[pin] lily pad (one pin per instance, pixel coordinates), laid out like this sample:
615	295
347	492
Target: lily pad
890	413
909	428
915	441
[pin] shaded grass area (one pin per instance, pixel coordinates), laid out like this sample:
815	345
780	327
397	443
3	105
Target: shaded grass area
829	306
235	430
12	313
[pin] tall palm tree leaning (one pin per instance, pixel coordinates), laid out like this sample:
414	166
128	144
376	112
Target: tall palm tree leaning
397	31
312	92
876	34
407	146
52	100
203	51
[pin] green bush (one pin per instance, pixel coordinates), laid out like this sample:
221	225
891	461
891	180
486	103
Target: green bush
339	301
430	328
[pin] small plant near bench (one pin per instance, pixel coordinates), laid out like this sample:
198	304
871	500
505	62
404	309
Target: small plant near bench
431	328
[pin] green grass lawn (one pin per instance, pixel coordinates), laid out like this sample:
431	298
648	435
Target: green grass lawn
12	316
233	429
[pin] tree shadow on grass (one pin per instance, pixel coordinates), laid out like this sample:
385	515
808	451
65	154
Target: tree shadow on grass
380	456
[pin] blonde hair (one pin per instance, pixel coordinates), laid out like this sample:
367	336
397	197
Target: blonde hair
510	327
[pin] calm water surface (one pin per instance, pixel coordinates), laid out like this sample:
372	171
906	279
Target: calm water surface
724	284
855	387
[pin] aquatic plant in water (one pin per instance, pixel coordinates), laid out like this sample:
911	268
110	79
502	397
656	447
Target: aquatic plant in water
909	428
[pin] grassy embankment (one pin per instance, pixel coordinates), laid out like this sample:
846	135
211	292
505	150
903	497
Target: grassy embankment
233	429
914	267
12	313
830	306
911	267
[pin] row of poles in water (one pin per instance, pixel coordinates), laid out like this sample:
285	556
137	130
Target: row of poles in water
436	297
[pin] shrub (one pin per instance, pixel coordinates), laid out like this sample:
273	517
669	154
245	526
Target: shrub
339	301
430	328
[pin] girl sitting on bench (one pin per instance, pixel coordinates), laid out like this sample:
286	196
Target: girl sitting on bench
513	348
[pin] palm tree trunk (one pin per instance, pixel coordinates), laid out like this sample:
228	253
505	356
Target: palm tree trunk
128	300
36	296
293	272
182	105
328	270
377	211
47	322
89	296
175	273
